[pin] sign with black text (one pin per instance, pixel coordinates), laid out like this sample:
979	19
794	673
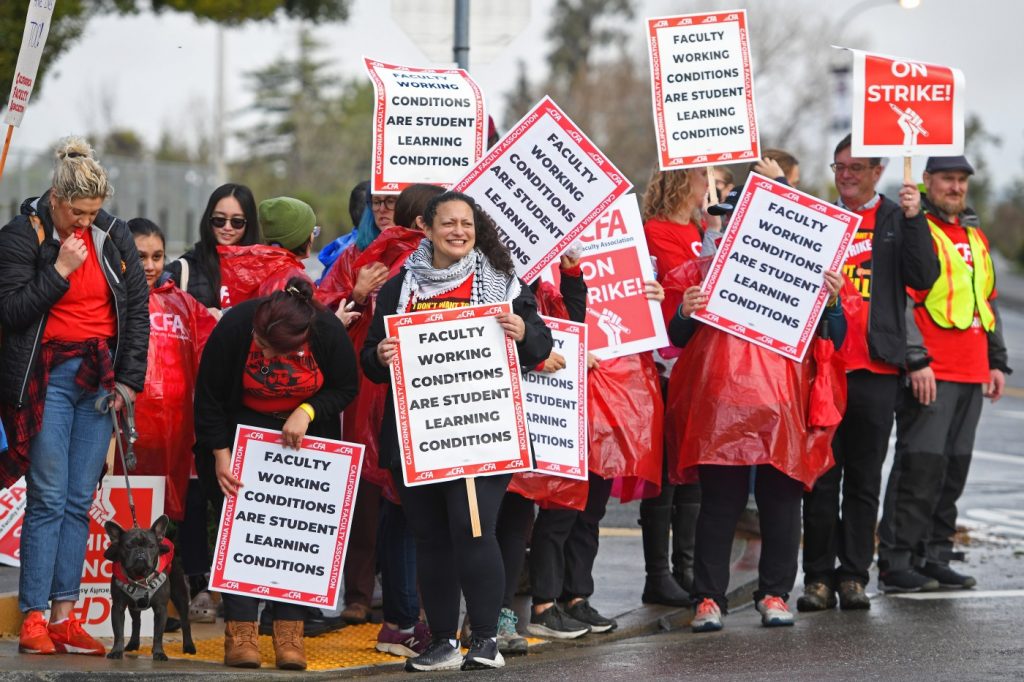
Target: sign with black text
543	184
284	536
429	126
703	89
458	395
556	404
766	283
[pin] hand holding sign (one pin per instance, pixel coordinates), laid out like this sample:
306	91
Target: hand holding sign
514	326
833	282
387	350
229	485
370	277
910	199
294	429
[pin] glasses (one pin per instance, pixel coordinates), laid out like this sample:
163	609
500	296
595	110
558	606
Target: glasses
855	168
386	202
316	231
220	222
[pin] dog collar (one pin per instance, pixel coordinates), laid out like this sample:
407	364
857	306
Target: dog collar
140	592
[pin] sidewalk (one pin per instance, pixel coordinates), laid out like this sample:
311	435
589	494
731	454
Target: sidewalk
618	575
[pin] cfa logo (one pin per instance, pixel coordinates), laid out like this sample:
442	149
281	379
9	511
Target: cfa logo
390	185
167	322
792	195
404	321
292	595
261	589
436	317
256	436
315	445
725	156
661	24
465	314
231	585
820	208
765	339
700	159
490	466
322	599
495	310
456	471
575	136
738	328
426	475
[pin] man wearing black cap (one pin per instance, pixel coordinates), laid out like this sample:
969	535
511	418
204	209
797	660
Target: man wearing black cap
955	356
891	251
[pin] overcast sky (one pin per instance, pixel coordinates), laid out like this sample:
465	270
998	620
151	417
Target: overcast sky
153	68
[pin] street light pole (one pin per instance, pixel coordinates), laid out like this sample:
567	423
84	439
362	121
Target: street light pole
461	37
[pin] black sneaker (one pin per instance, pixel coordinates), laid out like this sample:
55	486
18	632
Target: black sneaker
556	624
907	580
947	577
483	655
588	615
440	655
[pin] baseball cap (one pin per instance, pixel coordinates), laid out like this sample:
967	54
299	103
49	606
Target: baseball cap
727	205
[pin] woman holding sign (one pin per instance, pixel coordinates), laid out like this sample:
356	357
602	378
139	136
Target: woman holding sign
461	262
280	362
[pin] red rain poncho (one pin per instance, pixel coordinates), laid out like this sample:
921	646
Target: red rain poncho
248	272
178	329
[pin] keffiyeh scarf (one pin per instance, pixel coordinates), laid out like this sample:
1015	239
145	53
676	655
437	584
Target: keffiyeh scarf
424	281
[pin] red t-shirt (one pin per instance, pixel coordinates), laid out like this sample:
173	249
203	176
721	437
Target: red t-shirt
857	271
282	383
456	298
671	244
86	310
957	354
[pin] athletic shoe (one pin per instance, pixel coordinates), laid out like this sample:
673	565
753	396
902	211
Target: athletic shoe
708	617
439	655
483	655
852	596
510	642
202	609
774	612
588	615
907	580
69	638
35	637
554	623
947	577
817	596
408	644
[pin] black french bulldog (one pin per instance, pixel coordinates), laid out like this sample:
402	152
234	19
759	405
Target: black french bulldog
146	575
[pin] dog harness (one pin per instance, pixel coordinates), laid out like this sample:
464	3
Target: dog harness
140	592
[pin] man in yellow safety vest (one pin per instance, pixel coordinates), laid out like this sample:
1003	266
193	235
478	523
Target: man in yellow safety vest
955	357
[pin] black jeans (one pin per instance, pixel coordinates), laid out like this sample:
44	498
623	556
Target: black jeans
515	522
246	609
564	547
194	533
396	550
933	456
724	493
859	447
450	560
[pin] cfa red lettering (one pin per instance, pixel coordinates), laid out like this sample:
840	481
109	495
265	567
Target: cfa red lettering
166	322
609	225
92	610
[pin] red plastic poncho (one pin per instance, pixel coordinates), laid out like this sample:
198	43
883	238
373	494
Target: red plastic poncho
391	247
178	328
248	272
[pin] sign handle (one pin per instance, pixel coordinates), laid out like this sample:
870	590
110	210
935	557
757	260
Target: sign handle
712	187
7	146
908	176
474	508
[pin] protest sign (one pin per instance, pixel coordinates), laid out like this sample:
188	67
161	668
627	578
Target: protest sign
543	184
12	511
556	404
766	283
703	89
37	28
458	395
429	125
615	264
283	537
906	108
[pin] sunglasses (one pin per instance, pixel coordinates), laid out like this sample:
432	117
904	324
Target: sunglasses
221	221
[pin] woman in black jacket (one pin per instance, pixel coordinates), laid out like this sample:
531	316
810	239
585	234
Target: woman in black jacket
256	344
74	307
461	262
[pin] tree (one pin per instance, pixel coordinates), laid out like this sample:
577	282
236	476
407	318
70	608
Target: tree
71	16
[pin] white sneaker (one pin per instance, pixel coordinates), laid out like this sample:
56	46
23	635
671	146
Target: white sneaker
774	612
708	617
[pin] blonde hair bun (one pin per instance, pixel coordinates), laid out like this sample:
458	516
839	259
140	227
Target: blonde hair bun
77	175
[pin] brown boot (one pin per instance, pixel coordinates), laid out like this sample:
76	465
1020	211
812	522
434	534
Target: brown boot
288	646
240	648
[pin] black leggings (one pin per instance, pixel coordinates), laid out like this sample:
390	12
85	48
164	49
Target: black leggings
449	559
515	523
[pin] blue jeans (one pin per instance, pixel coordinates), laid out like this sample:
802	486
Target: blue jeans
66	460
396	551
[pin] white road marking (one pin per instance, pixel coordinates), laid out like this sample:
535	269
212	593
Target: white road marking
1012	414
990	456
960	594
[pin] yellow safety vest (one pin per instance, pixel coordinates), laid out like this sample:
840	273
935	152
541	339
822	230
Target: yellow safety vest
958	292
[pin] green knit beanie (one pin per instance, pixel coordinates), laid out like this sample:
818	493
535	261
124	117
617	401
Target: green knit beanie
286	221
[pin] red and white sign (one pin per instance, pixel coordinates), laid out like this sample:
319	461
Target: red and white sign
458	395
543	184
37	28
703	89
429	126
12	511
556	405
766	283
906	108
616	263
283	537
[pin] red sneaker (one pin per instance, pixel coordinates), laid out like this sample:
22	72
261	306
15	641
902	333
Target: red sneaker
70	638
35	639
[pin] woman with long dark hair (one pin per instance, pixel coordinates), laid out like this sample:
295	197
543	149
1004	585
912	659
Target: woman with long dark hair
460	262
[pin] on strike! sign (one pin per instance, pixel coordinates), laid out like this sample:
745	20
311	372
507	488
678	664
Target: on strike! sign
543	184
37	28
766	283
283	537
703	89
615	264
458	396
906	108
556	404
429	125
